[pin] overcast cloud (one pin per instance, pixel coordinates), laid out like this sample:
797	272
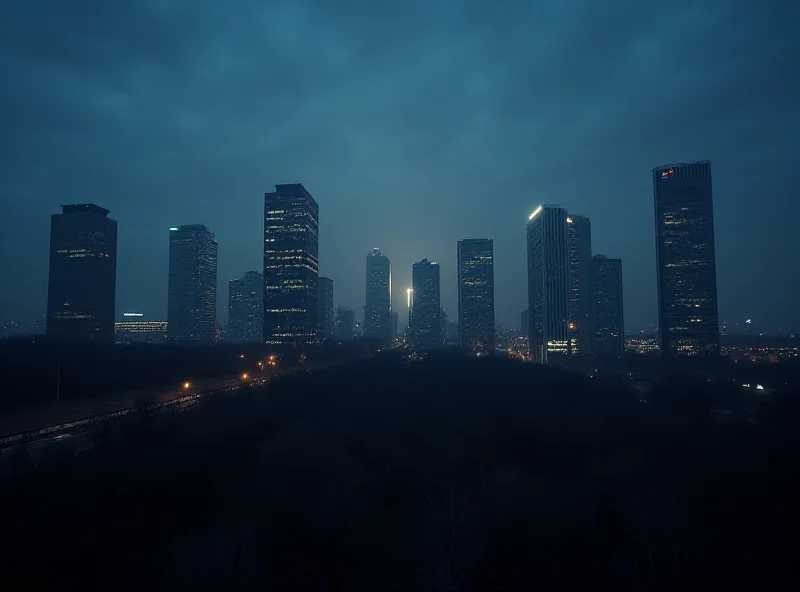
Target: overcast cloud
413	124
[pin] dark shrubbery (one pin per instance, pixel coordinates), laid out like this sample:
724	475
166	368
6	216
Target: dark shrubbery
447	474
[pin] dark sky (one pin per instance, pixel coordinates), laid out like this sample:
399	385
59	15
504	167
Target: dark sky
414	124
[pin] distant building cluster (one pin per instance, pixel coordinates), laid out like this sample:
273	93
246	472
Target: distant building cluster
575	297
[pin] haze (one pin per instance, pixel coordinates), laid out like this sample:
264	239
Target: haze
412	124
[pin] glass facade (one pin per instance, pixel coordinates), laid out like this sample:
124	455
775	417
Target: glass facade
82	281
579	230
476	295
325	308
378	307
291	266
426	310
192	292
685	258
548	282
245	308
608	310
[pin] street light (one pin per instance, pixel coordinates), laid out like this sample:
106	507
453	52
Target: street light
186	385
244	376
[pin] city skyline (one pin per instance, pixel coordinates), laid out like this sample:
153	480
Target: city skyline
411	148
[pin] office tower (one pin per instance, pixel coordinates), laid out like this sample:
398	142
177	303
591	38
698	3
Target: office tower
325	308
345	323
426	316
444	323
548	282
290	266
609	327
524	324
82	283
245	308
133	328
579	232
378	307
192	294
395	322
687	277
476	295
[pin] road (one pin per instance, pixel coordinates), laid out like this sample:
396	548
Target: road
51	414
74	435
71	424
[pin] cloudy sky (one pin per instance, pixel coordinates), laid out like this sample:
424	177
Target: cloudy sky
414	124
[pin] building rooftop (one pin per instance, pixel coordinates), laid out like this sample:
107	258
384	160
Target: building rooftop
82	208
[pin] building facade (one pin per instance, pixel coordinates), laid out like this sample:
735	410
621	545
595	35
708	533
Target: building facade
81	290
378	307
192	291
134	328
426	309
685	259
476	295
608	311
245	308
344	326
548	282
524	323
325	307
579	231
291	266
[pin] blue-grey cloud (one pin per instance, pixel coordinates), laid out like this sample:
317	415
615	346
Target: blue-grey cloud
414	125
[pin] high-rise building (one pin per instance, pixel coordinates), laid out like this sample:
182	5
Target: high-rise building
82	284
378	307
426	315
609	327
548	282
524	323
134	328
290	266
395	323
476	295
685	258
245	308
579	232
345	323
192	292
325	308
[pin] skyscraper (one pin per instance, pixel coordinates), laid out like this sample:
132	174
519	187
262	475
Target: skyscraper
609	327
548	282
426	315
685	257
524	323
378	307
82	284
245	308
290	266
192	293
476	295
395	322
579	231
325	308
345	323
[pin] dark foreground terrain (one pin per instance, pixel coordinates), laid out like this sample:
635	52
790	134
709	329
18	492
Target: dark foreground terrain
446	474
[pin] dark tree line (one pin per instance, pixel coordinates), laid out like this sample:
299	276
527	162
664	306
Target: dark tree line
453	473
32	368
